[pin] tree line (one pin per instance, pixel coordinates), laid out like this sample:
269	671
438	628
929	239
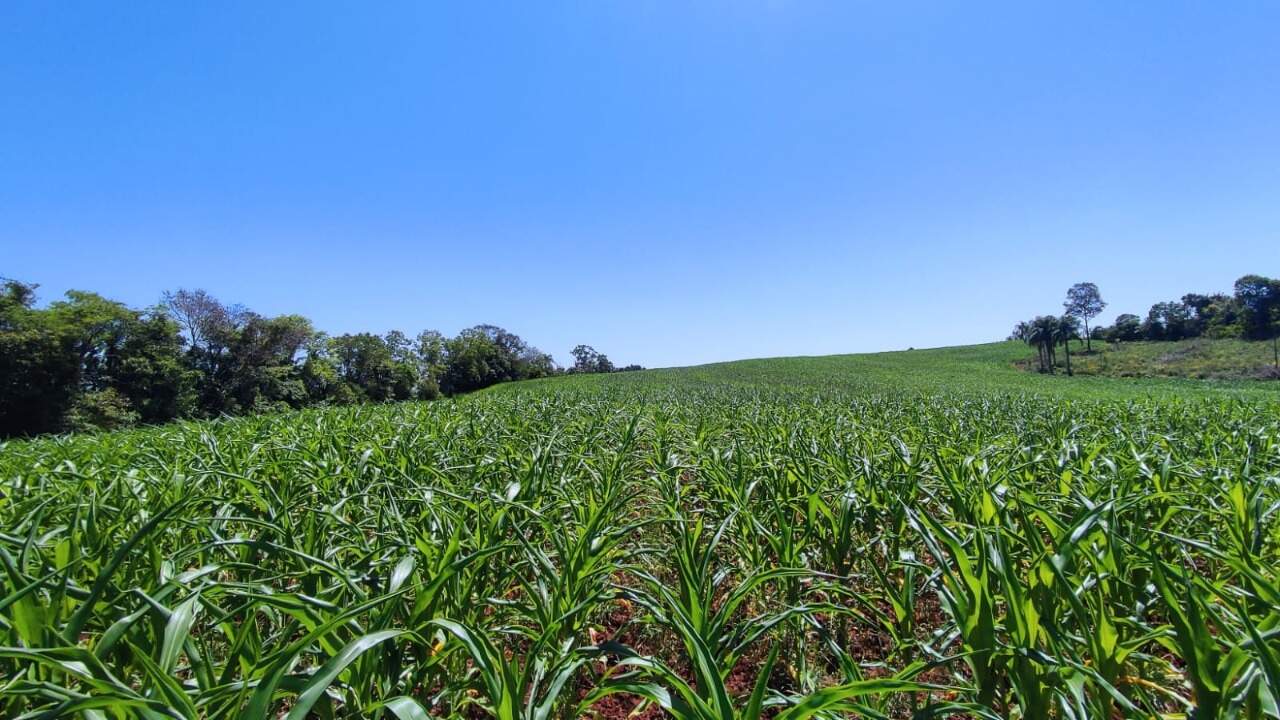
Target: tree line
86	362
1251	312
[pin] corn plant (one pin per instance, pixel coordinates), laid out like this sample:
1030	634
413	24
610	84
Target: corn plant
767	539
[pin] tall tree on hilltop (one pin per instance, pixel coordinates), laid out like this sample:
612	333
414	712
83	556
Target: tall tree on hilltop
1085	302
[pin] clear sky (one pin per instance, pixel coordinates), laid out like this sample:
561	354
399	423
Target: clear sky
673	183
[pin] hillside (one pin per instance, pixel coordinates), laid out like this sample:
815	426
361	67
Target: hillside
988	368
1198	358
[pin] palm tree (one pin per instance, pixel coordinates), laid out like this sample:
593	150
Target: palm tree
1026	332
1067	329
1041	332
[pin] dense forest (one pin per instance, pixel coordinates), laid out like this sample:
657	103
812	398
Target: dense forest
1251	312
86	362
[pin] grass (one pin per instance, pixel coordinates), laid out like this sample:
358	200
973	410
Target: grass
1200	358
917	534
993	368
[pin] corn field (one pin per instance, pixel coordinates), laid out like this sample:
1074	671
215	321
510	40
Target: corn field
648	549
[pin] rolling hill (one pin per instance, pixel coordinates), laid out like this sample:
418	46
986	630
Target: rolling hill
989	368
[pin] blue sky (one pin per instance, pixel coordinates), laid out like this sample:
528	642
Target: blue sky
673	183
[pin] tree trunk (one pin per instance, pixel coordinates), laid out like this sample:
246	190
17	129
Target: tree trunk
1275	350
1088	341
1067	346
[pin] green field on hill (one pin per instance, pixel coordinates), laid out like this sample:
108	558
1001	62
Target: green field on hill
991	368
925	533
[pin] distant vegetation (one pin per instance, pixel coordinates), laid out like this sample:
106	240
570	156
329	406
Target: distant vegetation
1251	313
87	362
981	371
1201	358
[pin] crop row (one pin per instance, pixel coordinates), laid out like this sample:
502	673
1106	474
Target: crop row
717	552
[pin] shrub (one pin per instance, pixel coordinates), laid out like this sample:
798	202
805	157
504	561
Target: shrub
100	410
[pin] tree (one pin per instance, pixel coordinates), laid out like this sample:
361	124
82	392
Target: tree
39	375
1028	333
366	362
1259	300
536	364
479	357
99	410
128	363
431	351
1207	312
15	295
260	370
320	377
1167	321
485	355
400	346
1220	317
86	362
1067	329
205	319
1042	334
584	358
431	357
272	341
587	360
475	361
211	329
93	328
1084	302
151	373
1128	328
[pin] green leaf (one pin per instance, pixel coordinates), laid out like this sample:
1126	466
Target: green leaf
835	698
334	666
176	632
